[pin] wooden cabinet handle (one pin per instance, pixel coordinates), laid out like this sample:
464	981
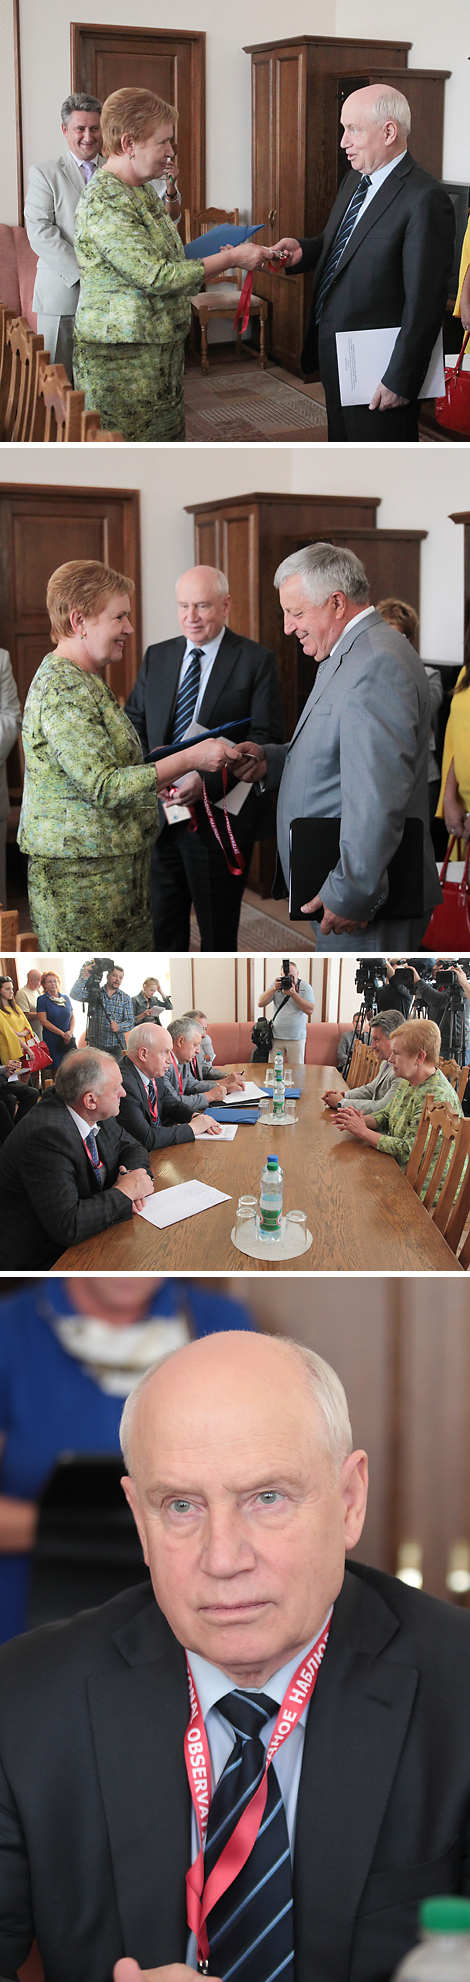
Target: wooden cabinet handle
272	216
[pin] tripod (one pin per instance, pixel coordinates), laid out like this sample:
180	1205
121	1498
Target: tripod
358	1033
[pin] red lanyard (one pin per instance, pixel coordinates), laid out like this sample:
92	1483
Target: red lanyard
200	1898
238	869
177	1072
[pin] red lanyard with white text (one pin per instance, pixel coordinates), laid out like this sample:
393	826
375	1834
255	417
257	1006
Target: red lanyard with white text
239	857
201	1898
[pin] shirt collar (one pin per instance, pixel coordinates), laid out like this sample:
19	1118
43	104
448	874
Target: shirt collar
211	1684
382	171
352	622
83	1127
208	650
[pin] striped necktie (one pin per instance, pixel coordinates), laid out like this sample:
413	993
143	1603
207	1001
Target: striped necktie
341	241
187	696
250	1929
153	1099
92	1148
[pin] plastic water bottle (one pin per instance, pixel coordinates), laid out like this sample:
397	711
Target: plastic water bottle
279	1096
278	1064
270	1203
443	1954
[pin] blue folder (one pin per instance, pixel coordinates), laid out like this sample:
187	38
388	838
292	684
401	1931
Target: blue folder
234	1114
225	235
236	732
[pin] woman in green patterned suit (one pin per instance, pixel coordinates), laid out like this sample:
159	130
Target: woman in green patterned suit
90	805
134	311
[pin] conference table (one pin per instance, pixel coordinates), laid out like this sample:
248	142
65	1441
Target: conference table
361	1211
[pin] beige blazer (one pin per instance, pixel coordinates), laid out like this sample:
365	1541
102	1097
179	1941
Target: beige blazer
51	203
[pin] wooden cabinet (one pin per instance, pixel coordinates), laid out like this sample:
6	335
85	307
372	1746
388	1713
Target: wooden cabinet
298	89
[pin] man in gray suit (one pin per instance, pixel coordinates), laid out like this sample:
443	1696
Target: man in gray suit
359	752
51	203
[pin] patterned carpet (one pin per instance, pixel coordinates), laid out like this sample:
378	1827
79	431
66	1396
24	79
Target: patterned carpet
258	931
244	403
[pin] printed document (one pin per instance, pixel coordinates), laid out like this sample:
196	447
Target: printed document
363	356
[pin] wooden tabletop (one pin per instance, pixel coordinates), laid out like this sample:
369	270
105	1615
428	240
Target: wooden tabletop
362	1213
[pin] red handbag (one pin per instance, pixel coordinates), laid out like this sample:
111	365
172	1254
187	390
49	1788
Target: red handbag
39	1058
449	928
454	409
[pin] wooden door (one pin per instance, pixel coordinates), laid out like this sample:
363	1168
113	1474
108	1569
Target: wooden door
41	528
170	62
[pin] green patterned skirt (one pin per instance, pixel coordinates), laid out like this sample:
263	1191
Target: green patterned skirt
91	904
136	388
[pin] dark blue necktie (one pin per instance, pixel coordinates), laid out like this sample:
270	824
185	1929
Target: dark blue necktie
187	697
92	1147
341	240
251	1928
153	1099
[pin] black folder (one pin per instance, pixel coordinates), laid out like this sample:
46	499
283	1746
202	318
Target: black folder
315	850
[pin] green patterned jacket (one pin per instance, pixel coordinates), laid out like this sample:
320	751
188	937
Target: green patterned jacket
86	788
136	283
401	1115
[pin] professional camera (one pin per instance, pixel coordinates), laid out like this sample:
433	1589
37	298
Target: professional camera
99	965
286	978
370	977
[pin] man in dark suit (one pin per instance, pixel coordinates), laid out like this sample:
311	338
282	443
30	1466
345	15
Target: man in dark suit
148	1110
247	1494
69	1169
210	676
384	258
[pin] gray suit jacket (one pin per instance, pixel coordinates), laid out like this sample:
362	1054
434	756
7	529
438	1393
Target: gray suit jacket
360	753
51	203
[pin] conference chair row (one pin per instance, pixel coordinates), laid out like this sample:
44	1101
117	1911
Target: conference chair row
37	400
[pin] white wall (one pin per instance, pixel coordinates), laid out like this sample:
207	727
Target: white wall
418	488
440	40
46	27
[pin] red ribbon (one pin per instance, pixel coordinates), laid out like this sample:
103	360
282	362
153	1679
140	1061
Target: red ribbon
200	1898
244	303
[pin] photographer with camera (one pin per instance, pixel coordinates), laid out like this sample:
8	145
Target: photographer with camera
398	991
110	1014
293	1001
444	995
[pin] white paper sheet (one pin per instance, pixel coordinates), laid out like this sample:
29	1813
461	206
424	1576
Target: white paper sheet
234	800
237	1098
227	1132
363	356
180	1201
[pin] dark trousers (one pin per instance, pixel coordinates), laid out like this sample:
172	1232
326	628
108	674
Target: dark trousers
11	1094
187	868
356	423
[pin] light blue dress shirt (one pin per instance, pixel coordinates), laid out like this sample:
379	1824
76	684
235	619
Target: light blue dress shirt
376	181
211	1685
208	652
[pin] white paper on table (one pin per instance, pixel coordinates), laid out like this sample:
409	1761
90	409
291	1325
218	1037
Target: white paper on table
363	356
180	1201
250	1093
227	1132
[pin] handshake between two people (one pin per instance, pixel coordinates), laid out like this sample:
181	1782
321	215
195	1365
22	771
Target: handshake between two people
245	760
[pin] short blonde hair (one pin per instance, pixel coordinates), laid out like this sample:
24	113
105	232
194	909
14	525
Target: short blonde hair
420	1036
81	586
133	113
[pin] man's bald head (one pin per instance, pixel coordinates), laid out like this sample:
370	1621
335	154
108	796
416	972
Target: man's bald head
150	1048
245	1493
203	600
376	125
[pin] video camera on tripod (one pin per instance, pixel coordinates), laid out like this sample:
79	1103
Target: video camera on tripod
100	966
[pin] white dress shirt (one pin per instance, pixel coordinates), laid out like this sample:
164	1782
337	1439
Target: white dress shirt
352	622
211	1685
376	181
208	654
83	1127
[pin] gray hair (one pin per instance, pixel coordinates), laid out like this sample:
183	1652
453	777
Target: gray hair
388	1022
392	104
142	1035
222	584
79	101
86	1068
183	1028
326	568
325	1389
195	1015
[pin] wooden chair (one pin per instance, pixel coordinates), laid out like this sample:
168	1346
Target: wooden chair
64	407
438	1130
458	1076
355	1076
9	938
452	1210
28	354
222	295
6	318
92	430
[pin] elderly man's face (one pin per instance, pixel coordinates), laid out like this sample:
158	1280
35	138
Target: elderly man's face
109	1095
368	145
243	1520
185	1049
157	1057
316	627
202	609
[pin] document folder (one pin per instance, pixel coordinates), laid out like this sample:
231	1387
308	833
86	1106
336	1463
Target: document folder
315	850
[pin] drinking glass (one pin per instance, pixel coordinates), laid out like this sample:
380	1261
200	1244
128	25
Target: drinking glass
296	1226
264	1108
290	1111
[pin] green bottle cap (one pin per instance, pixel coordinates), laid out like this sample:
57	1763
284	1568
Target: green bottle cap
449	1915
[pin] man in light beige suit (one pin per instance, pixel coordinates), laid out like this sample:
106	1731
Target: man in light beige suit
51	203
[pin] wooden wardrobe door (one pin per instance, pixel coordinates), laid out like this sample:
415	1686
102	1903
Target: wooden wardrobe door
172	63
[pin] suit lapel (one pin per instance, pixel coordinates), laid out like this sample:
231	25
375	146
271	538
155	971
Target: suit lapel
330	667
165	685
391	190
139	1714
225	662
353	1742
